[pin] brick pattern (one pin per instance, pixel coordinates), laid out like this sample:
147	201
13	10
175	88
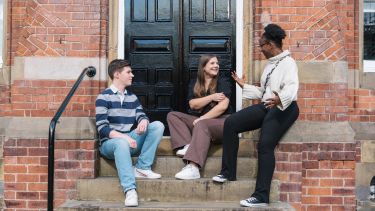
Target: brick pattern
4	94
75	28
289	171
320	102
26	167
316	29
323	102
317	176
43	98
361	105
5	105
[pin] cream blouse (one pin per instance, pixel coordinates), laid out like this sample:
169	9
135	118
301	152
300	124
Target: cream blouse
283	80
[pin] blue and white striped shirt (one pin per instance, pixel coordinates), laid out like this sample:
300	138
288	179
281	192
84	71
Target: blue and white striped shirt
117	111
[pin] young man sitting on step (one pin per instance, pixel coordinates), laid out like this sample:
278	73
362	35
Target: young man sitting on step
117	110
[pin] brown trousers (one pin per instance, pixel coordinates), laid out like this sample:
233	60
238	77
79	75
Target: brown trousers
199	137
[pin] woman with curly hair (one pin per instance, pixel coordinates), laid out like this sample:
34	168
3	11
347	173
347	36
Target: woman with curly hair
276	112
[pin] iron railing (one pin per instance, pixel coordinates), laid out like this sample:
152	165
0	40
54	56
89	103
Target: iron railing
90	72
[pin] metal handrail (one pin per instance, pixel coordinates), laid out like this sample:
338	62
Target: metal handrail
90	72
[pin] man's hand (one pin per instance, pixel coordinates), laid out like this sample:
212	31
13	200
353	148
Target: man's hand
239	81
142	127
272	102
132	142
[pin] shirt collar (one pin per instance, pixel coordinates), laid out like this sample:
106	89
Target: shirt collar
279	56
115	90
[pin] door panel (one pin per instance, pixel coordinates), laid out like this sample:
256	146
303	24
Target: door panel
209	28
163	42
151	46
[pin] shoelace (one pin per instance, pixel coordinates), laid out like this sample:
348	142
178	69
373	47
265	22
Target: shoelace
188	166
251	200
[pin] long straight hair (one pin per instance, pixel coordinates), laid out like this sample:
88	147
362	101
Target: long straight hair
199	87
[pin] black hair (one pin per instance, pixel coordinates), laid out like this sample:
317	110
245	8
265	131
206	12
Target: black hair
116	66
274	33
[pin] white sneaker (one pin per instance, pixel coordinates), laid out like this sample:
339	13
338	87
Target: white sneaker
190	171
131	198
149	174
182	152
219	178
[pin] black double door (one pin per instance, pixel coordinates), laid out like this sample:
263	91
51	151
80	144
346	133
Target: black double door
163	42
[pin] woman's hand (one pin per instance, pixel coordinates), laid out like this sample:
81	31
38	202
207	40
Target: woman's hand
217	97
196	121
272	102
239	81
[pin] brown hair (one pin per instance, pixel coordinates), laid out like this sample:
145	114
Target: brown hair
199	87
117	65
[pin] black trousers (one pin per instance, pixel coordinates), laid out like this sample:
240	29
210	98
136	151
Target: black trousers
273	123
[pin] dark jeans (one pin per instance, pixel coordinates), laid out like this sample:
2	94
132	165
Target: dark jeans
273	123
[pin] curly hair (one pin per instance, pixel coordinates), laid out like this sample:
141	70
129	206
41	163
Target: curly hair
274	33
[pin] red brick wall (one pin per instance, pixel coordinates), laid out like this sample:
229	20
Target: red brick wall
4	94
43	97
26	167
53	28
321	30
316	29
323	102
58	28
362	105
317	176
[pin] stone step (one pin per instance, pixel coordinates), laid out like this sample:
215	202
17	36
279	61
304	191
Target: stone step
246	148
168	166
171	190
366	205
172	206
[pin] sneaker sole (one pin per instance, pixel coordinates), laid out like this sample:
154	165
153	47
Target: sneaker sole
148	177
144	177
180	178
131	205
254	205
140	176
219	181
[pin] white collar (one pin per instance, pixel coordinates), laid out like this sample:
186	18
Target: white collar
279	56
115	90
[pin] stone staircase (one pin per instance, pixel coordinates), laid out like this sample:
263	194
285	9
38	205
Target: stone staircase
168	193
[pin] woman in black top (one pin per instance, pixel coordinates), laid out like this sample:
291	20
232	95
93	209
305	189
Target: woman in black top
208	99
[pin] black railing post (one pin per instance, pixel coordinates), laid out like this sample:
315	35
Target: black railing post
90	71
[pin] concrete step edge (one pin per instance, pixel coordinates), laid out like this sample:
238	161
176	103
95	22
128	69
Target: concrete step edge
171	189
180	206
170	165
246	148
